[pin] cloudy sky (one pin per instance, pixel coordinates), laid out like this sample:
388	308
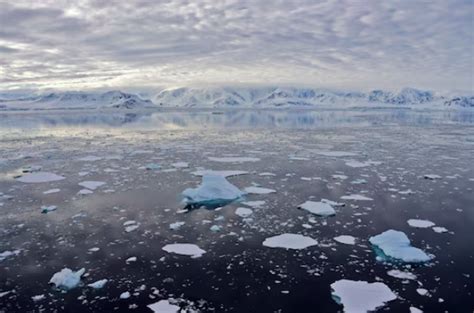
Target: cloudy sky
353	44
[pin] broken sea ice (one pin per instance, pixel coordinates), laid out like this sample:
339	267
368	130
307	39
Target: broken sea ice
361	296
66	278
396	245
164	306
290	241
213	190
184	249
318	208
39	177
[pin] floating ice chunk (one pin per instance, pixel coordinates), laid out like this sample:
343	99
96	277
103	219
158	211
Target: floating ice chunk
259	190
266	174
67	279
336	153
38	298
218	173
297	158
94	249
318	208
356	197
431	176
55	190
180	164
6	254
46	209
39	177
341	177
395	244
4	293
176	225
243	212
420	223
401	274
32	169
422	291
152	166
131	259
357	164
98	284
184	249
213	189
333	203
254	204
164	306
346	239
215	228
359	181
85	192
439	229
90	158
131	226
361	296
233	159
125	295
91	184
415	310
290	241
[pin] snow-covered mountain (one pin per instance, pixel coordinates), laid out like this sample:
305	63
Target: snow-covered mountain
73	100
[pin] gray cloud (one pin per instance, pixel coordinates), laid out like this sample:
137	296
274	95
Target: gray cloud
142	43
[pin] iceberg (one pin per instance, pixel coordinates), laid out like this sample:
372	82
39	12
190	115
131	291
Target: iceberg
318	208
214	190
290	241
66	278
361	296
393	244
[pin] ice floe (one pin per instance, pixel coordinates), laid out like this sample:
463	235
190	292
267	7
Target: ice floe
180	165
98	284
223	173
439	229
66	278
318	208
164	306
90	158
396	245
431	176
336	153
131	226
233	159
39	177
91	184
213	190
361	296
258	190
358	164
254	204
38	298
420	223
46	209
8	253
401	274
176	225
184	249
356	197
54	190
289	241
125	295
243	212
345	239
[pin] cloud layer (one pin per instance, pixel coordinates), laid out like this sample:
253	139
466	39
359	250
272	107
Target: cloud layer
145	43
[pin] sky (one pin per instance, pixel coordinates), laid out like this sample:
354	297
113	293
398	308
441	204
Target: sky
133	44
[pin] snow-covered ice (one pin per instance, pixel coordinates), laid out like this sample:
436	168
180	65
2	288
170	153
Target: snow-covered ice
318	208
439	229
125	295
233	159
184	249
289	241
420	223
66	278
223	173
98	284
401	274
243	212
395	244
39	177
164	306
258	190
91	184
213	190
54	190
356	197
176	225
361	296
8	253
345	239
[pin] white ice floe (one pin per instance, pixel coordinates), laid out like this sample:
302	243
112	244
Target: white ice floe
48	208
131	226
395	244
91	184
66	278
180	165
258	190
439	229
415	310
152	166
346	239
164	306
39	177
233	159
85	192
318	208
290	241
422	291
94	249
420	223
131	259
358	164
98	284
8	253
54	190
184	249
125	295
176	225
223	173
243	212
213	189
333	203
356	197
361	296
215	228
266	174
401	274
336	153
431	176
90	158
38	298
254	204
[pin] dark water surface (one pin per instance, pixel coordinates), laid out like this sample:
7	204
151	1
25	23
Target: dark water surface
237	273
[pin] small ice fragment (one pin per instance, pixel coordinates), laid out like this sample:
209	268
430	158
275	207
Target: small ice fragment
164	306
422	291
90	158
243	212
358	164
345	239
91	184
289	241
333	203
415	310
356	197
215	228
213	189
266	174
55	190
420	223
401	274
46	209
184	249
84	192
439	229
254	204
395	244
341	177
98	284
259	190
218	173
6	254
39	177
431	176
131	259
94	249
318	208
67	279
38	297
233	159
180	165
153	166
176	225
125	295
361	296
336	153
131	228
